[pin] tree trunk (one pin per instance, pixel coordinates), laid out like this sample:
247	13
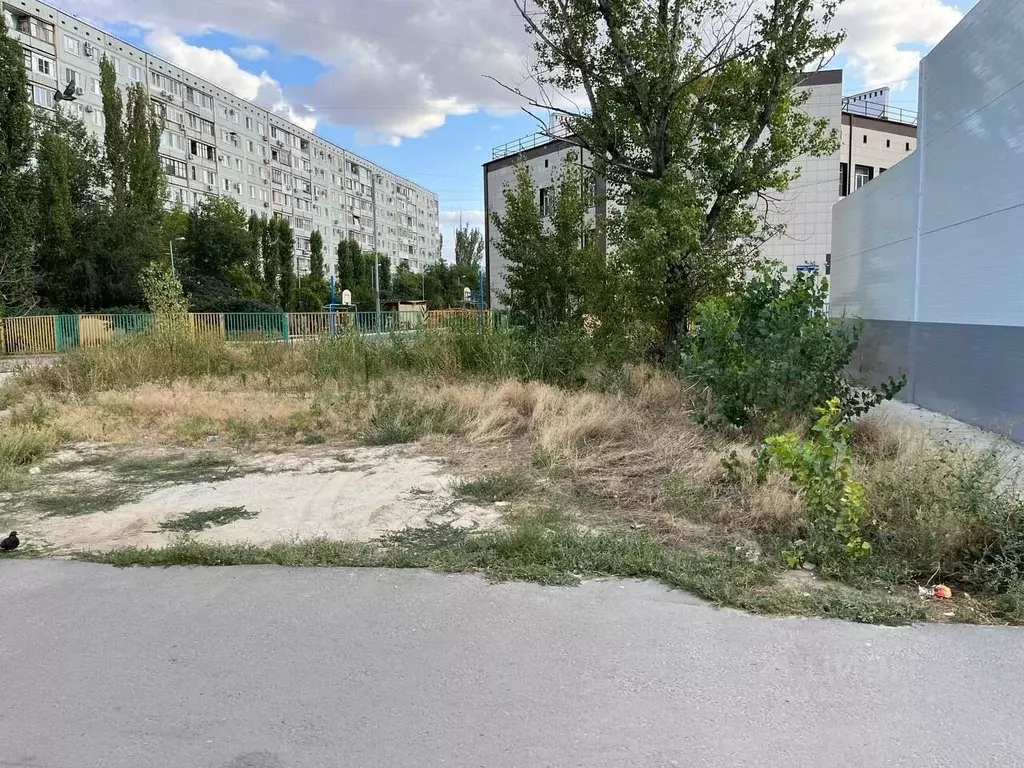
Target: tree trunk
677	310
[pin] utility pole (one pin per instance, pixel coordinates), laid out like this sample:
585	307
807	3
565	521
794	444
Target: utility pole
376	256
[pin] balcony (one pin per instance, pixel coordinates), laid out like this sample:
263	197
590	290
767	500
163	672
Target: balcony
880	112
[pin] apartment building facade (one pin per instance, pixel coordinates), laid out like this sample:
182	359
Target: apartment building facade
215	143
873	136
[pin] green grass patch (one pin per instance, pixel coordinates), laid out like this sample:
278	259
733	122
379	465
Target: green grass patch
533	550
500	486
84	499
200	519
127	480
401	420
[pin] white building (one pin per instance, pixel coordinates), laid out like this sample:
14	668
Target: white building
930	255
874	138
217	143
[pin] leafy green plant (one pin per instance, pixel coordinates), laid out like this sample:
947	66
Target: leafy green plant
770	350
822	467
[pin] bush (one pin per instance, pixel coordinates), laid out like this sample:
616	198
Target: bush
771	351
946	514
822	467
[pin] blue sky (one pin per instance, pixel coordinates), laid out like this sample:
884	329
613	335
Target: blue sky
402	83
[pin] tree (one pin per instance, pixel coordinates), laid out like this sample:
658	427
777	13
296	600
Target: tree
137	184
555	272
406	285
384	274
68	179
270	264
16	203
691	115
355	274
315	290
469	246
254	241
214	261
283	245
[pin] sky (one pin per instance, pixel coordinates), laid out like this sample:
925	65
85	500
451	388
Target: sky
410	84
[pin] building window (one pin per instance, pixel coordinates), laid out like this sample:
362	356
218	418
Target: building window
545	202
42	97
72	45
33	27
72	76
908	146
44	66
882	170
94	86
174	167
844	179
862	175
135	73
865	139
888	143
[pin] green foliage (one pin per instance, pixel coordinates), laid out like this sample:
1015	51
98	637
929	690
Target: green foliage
315	290
282	245
822	467
688	126
770	350
469	246
445	284
355	274
163	292
555	272
201	519
406	285
16	203
215	261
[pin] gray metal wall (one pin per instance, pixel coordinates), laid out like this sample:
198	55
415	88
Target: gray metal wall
931	255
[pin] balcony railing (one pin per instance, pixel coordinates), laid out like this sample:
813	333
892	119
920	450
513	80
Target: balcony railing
527	142
893	114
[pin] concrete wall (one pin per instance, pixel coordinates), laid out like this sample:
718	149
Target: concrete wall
545	163
930	254
806	207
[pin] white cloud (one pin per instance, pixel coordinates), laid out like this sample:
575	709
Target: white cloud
251	52
880	31
218	67
398	69
393	70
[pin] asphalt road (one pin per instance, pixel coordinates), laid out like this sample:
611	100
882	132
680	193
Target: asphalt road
278	668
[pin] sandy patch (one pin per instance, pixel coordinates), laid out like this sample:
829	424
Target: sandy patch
374	491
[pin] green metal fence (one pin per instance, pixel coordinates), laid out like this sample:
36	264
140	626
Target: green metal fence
48	334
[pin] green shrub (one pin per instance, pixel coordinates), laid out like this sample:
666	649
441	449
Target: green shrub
771	351
822	467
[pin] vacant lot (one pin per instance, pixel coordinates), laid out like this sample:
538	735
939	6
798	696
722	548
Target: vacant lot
521	458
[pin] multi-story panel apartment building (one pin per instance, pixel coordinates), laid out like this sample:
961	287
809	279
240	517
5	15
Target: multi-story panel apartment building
873	138
215	143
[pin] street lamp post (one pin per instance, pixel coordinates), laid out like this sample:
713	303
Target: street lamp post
175	240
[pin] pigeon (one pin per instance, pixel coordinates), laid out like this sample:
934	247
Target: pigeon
67	95
11	542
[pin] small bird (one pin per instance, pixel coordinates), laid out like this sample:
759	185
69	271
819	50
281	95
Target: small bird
67	95
11	542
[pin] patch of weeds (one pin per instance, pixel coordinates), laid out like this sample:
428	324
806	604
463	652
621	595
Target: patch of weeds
300	421
85	499
543	459
33	413
500	486
192	428
692	501
201	468
242	431
200	519
400	420
531	549
313	439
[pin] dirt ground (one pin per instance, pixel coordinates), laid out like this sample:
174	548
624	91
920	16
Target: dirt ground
354	494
